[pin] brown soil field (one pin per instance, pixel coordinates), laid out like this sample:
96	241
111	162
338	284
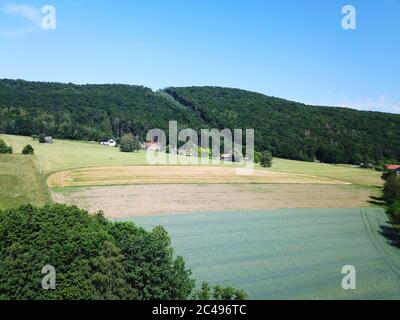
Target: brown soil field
131	175
133	200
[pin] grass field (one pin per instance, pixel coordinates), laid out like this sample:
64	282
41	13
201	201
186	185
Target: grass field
288	253
20	182
347	173
66	154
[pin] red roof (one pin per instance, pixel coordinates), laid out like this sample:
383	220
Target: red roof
393	166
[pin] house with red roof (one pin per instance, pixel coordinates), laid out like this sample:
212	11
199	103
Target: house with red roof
394	167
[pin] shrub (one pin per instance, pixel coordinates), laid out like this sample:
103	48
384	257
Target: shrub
228	293
394	212
380	166
42	138
28	149
4	148
388	174
257	157
129	143
219	293
266	159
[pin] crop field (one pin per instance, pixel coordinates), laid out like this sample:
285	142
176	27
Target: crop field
130	175
288	253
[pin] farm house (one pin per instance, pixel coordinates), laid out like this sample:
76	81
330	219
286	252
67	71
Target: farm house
109	143
394	167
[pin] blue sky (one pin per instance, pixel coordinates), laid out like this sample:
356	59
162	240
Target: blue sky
294	49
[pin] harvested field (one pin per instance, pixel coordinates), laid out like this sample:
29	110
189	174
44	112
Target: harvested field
128	175
134	200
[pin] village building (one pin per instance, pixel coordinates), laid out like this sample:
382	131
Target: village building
227	157
48	139
109	143
394	167
151	146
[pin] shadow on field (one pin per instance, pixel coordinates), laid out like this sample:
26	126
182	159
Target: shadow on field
391	234
378	201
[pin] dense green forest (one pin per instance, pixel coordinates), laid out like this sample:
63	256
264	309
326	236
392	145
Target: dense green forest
92	258
297	131
287	129
86	112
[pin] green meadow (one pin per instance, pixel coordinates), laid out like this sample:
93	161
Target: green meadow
347	173
67	154
288	253
20	182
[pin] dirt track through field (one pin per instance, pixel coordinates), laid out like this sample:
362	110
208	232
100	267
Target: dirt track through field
136	200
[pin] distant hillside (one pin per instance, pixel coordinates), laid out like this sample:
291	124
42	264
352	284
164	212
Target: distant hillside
296	131
289	129
86	112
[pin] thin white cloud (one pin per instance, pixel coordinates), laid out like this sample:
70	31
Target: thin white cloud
382	103
31	15
27	12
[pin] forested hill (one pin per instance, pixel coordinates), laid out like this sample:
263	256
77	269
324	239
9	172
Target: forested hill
289	129
296	131
86	112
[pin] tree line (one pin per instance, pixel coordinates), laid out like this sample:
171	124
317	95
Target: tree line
391	195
